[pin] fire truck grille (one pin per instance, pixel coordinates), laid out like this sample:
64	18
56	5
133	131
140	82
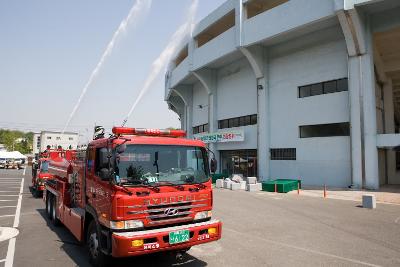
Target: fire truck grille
171	213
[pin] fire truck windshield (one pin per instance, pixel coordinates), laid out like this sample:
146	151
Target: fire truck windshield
44	166
153	164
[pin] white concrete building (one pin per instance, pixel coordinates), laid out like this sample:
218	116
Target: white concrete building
295	88
54	139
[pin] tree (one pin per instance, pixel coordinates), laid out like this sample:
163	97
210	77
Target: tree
9	139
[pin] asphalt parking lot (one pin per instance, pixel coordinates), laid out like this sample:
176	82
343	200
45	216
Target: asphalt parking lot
260	229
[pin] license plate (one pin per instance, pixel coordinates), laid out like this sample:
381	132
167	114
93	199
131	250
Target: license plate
178	237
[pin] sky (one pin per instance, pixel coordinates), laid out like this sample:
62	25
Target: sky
48	50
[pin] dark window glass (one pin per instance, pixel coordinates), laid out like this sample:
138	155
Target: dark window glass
206	129
239	162
283	153
247	120
230	123
194	130
316	89
329	87
235	122
241	121
225	124
342	85
304	91
201	129
253	119
325	130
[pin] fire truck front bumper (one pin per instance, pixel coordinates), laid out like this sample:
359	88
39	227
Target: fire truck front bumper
40	188
126	244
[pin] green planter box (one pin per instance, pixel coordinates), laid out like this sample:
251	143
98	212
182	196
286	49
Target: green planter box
283	185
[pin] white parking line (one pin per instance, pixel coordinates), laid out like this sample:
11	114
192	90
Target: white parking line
24	172
11	245
9	195
3	260
5	207
9	191
6	200
12	215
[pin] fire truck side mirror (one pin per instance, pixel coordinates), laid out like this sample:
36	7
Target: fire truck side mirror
213	165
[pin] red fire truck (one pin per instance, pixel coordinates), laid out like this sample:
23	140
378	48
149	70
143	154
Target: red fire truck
137	192
40	173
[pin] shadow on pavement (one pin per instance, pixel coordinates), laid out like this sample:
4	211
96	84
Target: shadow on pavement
77	252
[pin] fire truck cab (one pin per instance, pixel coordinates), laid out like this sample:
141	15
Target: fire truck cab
40	173
138	192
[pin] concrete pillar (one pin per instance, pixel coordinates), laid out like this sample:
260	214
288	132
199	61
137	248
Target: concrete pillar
355	120
369	118
389	128
208	78
263	132
358	36
213	122
185	92
258	62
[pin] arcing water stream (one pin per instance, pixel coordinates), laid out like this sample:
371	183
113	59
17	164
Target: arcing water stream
161	62
138	10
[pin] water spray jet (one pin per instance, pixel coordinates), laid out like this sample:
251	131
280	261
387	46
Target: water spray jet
170	50
138	10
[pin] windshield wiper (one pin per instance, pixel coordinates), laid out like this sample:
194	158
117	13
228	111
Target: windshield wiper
199	186
123	188
179	187
154	188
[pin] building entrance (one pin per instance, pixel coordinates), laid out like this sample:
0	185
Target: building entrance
239	162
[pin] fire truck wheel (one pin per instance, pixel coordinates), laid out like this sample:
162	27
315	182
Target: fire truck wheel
48	205
54	219
96	256
35	192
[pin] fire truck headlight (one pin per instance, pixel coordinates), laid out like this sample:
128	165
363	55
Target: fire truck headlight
133	224
203	215
126	225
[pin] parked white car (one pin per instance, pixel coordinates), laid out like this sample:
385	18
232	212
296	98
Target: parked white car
3	162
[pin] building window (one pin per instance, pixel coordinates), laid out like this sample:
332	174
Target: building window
58	138
325	130
183	54
328	87
200	129
48	137
283	153
216	29
237	122
71	139
255	7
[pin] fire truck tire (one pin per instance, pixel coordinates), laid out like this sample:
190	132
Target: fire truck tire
35	192
49	205
96	257
55	221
